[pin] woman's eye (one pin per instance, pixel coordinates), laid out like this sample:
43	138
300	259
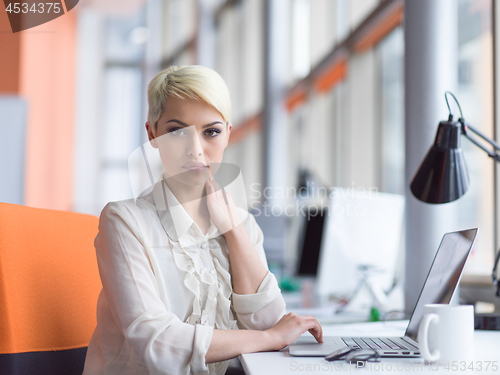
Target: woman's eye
177	132
212	132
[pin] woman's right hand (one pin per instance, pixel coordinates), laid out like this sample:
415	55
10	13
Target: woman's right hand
291	326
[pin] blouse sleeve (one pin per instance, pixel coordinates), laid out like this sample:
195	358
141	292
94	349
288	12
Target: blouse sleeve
160	338
263	309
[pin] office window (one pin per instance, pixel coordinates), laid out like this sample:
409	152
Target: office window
301	39
121	120
391	113
179	25
123	40
227	58
359	10
121	131
475	93
361	132
316	139
341	17
323	29
297	148
338	120
252	58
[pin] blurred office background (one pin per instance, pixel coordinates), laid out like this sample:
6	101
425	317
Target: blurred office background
317	88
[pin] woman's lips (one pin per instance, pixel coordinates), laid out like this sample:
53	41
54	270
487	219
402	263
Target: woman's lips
195	166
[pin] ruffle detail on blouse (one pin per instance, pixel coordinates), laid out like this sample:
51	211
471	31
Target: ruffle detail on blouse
218	303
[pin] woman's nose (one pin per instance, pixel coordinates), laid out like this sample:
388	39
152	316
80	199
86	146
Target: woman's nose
194	145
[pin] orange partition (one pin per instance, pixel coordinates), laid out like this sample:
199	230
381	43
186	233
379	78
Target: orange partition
248	126
380	30
49	280
295	99
331	76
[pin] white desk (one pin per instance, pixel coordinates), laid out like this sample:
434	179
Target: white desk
486	347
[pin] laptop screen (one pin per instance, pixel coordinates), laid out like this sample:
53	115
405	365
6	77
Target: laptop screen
444	274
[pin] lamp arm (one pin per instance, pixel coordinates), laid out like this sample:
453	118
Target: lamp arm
493	154
496	282
486	138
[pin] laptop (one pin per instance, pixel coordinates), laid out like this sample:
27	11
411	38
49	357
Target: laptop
439	286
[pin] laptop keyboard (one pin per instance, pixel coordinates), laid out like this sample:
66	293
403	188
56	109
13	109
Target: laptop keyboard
374	343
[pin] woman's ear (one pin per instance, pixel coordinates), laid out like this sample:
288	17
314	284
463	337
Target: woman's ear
151	136
230	127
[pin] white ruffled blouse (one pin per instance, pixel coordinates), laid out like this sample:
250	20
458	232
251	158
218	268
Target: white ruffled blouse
166	286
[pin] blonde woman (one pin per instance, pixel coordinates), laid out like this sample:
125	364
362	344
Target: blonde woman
186	285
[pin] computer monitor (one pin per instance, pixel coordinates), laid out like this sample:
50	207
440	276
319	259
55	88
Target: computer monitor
310	236
363	230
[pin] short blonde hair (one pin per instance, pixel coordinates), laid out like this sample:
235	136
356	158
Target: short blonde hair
189	81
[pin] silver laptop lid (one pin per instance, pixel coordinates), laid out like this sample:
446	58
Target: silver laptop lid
443	275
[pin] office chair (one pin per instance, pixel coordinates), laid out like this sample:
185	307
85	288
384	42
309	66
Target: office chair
49	285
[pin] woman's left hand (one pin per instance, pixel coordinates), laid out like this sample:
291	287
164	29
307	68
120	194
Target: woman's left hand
222	213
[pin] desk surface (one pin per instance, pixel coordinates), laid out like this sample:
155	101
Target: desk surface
486	347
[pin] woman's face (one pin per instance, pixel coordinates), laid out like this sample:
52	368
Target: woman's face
191	137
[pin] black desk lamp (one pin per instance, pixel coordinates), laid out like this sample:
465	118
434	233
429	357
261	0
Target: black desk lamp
442	177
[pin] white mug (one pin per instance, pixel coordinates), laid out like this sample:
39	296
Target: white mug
446	333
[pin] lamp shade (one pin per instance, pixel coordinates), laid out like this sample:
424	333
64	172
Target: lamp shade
442	177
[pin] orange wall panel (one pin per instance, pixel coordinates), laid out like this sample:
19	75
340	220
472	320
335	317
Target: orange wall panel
9	56
48	83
